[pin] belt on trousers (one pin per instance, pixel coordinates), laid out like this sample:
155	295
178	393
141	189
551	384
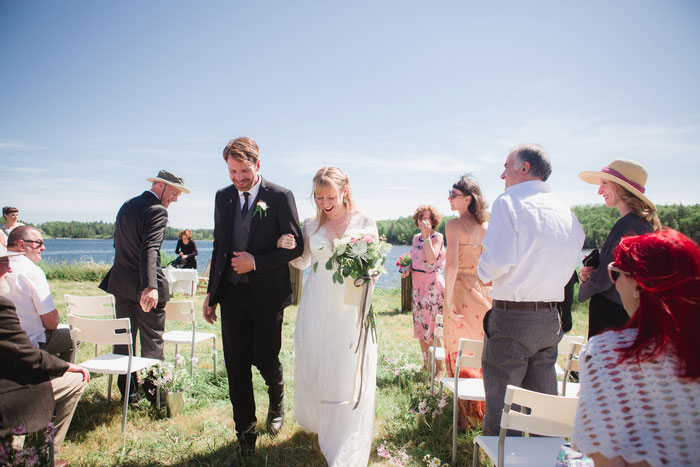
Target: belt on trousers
506	304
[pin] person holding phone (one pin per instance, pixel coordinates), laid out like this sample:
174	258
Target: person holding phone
428	283
622	185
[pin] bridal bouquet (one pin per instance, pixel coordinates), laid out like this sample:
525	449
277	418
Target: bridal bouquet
359	255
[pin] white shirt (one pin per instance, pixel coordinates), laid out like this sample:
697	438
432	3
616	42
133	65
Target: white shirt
532	245
254	190
29	291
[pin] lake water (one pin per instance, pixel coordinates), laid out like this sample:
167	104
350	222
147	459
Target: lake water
102	251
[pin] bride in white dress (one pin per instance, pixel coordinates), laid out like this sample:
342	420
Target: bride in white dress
334	392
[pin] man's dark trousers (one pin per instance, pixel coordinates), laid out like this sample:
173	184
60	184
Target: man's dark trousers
250	336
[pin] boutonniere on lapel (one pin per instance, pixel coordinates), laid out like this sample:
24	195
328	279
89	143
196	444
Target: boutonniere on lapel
260	209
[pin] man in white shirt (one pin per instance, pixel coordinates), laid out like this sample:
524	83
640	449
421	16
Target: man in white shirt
29	291
532	245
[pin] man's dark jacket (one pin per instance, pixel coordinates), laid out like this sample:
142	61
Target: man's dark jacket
26	395
138	235
269	283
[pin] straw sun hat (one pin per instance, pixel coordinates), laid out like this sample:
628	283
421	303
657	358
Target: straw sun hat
170	179
626	173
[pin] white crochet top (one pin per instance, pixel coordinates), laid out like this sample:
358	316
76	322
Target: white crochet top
640	412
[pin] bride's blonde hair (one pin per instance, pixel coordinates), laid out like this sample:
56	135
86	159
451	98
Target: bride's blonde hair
332	179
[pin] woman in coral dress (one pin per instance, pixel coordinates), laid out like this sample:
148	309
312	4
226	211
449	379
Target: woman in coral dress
466	298
428	284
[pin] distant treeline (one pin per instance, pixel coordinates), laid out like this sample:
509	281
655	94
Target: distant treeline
596	220
101	229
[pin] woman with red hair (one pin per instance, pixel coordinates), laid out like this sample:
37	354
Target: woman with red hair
640	385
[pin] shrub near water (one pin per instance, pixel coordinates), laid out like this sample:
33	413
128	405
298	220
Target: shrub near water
81	272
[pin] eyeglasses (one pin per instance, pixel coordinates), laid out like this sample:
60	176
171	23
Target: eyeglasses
39	243
614	272
452	194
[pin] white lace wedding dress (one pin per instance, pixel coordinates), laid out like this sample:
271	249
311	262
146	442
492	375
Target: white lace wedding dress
326	370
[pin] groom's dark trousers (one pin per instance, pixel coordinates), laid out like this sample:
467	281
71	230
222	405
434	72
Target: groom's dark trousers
252	304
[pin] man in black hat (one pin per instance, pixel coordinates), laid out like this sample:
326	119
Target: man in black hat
136	279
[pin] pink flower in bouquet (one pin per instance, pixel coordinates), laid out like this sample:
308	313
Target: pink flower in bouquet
367	239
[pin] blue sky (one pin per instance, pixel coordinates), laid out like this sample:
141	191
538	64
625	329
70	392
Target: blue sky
405	96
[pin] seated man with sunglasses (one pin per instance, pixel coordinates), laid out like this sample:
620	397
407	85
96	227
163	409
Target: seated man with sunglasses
29	291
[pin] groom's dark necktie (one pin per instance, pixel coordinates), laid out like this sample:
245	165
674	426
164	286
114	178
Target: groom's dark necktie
244	210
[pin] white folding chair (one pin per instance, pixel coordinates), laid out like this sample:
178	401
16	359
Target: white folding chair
184	311
471	389
91	307
436	353
203	280
570	389
110	332
551	416
563	349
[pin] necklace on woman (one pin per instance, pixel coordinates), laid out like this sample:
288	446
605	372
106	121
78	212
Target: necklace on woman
338	227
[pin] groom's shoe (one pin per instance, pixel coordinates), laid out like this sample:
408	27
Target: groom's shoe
275	420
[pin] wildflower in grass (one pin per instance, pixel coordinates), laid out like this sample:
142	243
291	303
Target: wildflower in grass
382	451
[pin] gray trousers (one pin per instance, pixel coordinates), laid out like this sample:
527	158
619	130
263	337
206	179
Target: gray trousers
520	348
58	342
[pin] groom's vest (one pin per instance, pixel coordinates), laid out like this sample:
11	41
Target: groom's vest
241	230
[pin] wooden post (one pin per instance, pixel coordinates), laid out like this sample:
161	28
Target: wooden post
297	279
406	293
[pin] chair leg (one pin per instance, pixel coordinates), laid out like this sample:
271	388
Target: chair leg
176	354
192	358
213	351
475	457
109	389
126	401
454	425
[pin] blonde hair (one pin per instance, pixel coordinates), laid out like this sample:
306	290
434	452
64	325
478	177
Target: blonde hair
638	207
332	178
435	217
187	233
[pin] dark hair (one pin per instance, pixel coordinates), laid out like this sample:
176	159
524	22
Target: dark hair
243	149
19	233
468	185
435	217
666	265
9	210
535	156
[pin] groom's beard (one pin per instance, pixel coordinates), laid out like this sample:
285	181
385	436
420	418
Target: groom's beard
4	286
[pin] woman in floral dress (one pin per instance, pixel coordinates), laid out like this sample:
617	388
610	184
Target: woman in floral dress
427	261
466	298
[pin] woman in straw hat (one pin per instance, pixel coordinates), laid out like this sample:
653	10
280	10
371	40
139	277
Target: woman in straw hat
621	186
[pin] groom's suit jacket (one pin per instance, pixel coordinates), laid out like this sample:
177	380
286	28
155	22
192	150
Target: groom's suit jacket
138	234
269	282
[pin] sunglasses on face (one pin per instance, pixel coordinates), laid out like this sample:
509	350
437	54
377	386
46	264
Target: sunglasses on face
452	194
614	272
38	243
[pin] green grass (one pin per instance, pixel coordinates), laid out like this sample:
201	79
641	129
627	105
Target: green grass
203	434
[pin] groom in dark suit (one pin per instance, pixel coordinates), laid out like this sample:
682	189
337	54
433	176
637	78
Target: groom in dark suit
136	279
250	280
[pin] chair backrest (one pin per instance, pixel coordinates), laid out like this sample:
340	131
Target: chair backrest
100	305
469	354
548	415
439	330
100	331
571	361
566	341
181	310
207	269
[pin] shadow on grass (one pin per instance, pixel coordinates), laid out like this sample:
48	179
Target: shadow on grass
393	312
421	437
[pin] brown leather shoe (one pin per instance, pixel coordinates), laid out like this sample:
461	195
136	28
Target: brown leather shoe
60	463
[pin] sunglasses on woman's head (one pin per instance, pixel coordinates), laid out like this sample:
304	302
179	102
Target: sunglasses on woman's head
614	272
